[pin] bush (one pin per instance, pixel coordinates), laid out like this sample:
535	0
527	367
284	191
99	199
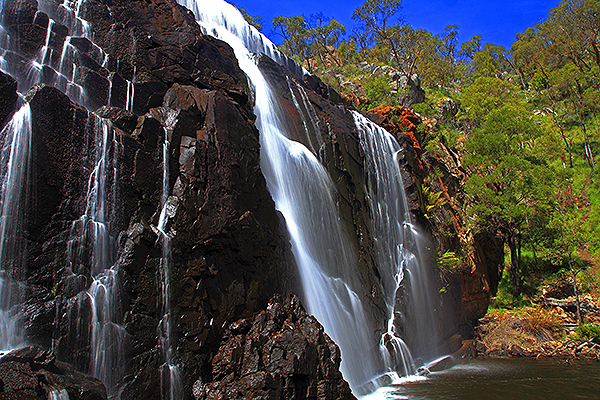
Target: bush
378	91
589	332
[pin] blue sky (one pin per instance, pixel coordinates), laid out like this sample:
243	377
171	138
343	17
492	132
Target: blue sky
496	21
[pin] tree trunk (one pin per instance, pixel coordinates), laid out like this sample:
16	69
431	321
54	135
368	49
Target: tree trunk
562	133
514	265
588	150
535	260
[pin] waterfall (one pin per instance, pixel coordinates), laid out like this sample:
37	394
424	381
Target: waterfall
14	164
304	193
93	250
57	62
398	247
169	371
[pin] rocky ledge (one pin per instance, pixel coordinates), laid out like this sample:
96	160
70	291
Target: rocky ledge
31	373
278	353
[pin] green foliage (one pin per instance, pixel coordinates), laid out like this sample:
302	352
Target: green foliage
526	131
485	95
449	261
509	181
378	91
432	199
588	332
255	21
294	31
305	39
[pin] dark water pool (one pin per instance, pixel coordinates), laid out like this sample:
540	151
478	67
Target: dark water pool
497	379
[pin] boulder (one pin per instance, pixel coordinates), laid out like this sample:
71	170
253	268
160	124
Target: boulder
32	373
278	353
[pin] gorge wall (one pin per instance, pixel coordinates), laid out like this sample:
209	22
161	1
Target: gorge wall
151	76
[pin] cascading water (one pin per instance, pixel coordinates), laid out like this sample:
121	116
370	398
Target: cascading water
169	371
93	249
14	159
55	62
300	186
304	194
57	394
310	120
398	248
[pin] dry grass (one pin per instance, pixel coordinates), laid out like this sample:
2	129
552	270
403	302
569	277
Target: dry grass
528	328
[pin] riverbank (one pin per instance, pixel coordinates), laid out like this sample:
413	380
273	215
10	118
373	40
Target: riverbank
547	329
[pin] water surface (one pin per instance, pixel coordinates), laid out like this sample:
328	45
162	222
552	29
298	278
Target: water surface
492	379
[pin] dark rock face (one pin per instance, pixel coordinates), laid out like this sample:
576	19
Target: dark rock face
227	251
156	44
32	373
8	96
228	254
278	353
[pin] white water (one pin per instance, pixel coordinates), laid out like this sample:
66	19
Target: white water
219	18
93	250
14	164
50	67
305	195
170	378
398	248
56	394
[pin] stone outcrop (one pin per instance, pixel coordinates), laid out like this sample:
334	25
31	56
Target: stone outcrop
278	353
227	250
32	373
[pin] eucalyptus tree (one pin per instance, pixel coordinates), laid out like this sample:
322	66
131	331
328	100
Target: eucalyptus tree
509	183
376	19
326	34
296	39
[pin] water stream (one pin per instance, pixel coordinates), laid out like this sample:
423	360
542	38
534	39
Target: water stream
14	166
405	282
169	371
92	249
304	194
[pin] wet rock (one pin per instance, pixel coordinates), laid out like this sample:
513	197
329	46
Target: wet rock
158	43
402	124
22	20
281	352
32	373
124	120
96	86
8	97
